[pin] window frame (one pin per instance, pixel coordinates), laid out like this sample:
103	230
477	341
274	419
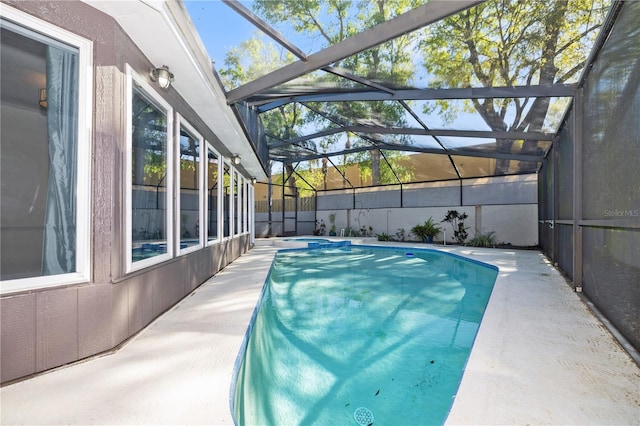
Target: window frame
218	194
245	207
84	130
251	213
238	202
180	123
226	162
132	77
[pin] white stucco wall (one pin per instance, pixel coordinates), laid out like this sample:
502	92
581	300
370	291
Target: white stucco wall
515	224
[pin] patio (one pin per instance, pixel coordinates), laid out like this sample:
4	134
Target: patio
541	357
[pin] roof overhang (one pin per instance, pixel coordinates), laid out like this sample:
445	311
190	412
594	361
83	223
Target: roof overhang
164	33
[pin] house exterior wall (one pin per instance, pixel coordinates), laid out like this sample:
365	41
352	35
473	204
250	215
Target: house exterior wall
46	328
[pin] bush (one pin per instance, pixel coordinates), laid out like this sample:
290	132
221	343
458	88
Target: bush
457	223
426	231
383	237
487	239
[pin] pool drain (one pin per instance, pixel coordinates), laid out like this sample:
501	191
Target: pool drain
363	416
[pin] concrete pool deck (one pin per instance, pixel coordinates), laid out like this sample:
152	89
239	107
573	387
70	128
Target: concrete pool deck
540	357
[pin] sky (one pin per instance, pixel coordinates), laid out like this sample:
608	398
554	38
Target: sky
219	26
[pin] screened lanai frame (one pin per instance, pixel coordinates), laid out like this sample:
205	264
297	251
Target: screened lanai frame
332	139
589	231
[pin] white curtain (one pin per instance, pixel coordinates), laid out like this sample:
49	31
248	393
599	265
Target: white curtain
59	248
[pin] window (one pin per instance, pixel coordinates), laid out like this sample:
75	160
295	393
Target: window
251	219
45	153
245	207
149	176
213	194
238	203
190	195
227	193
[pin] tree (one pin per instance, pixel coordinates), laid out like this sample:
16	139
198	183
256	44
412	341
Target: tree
149	140
387	174
332	21
509	43
250	60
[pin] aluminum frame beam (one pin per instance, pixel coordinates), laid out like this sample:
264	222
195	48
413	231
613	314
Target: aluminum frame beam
266	103
341	72
412	20
460	152
265	28
421	132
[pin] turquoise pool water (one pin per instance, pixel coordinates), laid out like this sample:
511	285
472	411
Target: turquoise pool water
338	329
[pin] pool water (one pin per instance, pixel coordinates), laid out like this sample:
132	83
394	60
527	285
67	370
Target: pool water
340	329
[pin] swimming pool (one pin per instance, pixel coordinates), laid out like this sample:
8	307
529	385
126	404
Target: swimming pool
339	331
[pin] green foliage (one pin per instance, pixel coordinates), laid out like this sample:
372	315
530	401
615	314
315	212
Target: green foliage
510	43
487	239
457	223
366	232
351	232
310	177
387	174
427	230
149	139
252	59
320	228
326	22
332	221
496	43
384	237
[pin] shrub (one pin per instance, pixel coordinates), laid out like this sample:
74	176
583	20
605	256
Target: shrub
488	239
457	223
383	237
426	231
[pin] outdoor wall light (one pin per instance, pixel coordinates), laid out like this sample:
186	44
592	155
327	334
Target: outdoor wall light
235	159
42	98
162	75
253	180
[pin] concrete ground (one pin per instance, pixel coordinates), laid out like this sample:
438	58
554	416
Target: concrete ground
540	357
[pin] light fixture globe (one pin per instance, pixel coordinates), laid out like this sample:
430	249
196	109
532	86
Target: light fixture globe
163	76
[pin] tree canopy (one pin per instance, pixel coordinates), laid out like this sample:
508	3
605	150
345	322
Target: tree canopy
496	43
511	43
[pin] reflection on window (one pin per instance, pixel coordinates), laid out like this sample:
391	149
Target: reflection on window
245	226
149	166
237	193
39	155
212	195
190	199
226	201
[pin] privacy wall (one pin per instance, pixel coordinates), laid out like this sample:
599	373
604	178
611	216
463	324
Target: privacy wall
506	205
589	185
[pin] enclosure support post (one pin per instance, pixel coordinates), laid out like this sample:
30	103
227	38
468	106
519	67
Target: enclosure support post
284	180
578	110
270	200
555	237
